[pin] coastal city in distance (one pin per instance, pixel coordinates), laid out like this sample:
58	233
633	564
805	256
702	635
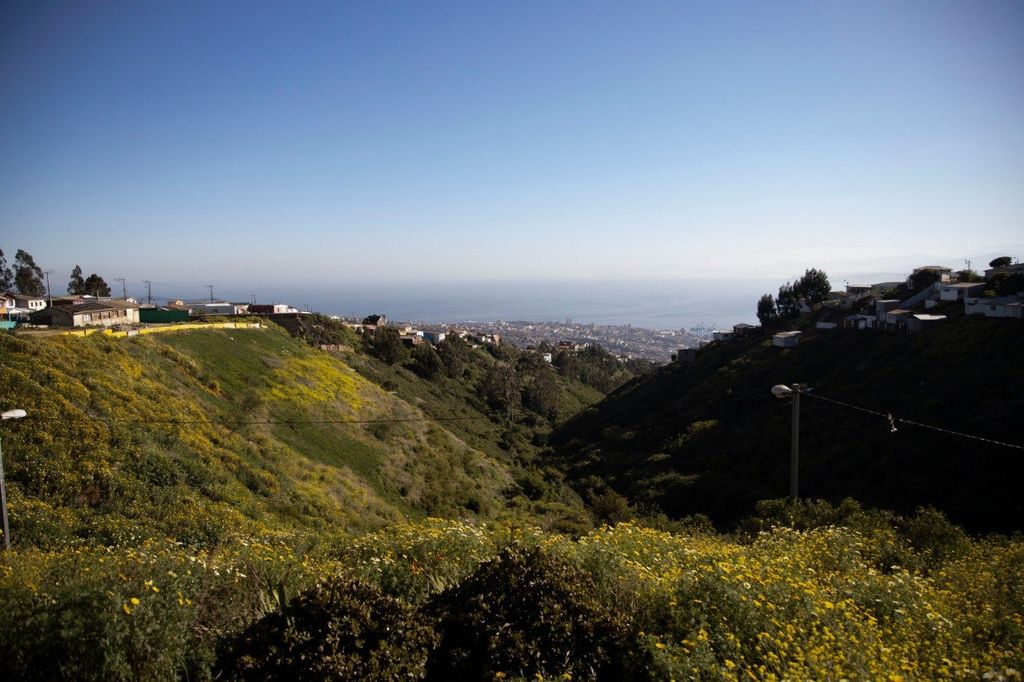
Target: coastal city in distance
624	341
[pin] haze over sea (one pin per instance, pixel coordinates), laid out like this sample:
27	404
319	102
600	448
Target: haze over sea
654	304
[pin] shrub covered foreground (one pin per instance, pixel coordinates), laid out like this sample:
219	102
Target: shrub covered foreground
822	603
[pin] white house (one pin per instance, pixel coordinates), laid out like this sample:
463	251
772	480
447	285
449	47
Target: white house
859	321
1004	306
918	323
31	303
83	313
9	308
215	308
786	339
943	274
958	291
896	316
884	306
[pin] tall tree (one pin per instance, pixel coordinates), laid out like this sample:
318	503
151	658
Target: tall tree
454	354
500	386
28	277
786	303
388	346
426	362
95	286
766	312
6	276
814	286
540	393
76	285
1000	262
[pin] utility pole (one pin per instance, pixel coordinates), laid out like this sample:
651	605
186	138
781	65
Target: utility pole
210	287
49	296
794	448
149	291
124	290
10	414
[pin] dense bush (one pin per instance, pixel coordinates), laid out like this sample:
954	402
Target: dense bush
527	614
342	629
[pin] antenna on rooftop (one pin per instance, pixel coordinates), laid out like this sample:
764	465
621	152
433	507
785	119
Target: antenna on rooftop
210	287
149	291
124	290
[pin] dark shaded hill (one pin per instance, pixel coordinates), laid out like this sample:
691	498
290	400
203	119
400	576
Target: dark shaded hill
708	437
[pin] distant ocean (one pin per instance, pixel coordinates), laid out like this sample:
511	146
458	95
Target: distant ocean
675	304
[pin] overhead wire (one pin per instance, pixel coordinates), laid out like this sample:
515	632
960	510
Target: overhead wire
893	420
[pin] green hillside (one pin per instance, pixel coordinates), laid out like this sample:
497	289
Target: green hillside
235	504
163	436
707	437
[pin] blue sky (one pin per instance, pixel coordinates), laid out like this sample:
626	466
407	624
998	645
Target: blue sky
317	142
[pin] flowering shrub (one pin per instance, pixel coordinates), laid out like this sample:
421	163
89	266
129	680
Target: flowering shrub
790	604
341	629
525	614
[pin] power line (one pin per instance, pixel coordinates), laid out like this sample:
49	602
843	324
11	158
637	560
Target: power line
893	420
257	421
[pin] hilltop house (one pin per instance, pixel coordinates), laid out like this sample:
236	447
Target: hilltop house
918	323
152	314
882	288
943	274
1003	306
884	306
270	309
786	339
860	321
84	312
30	303
10	308
686	354
958	291
896	317
212	308
435	337
744	328
372	321
1012	269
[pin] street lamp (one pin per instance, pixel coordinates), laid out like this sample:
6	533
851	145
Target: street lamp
782	391
10	414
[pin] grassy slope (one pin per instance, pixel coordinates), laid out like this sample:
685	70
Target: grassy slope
708	437
69	476
467	415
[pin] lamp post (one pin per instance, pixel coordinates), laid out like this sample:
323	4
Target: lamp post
783	391
11	414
